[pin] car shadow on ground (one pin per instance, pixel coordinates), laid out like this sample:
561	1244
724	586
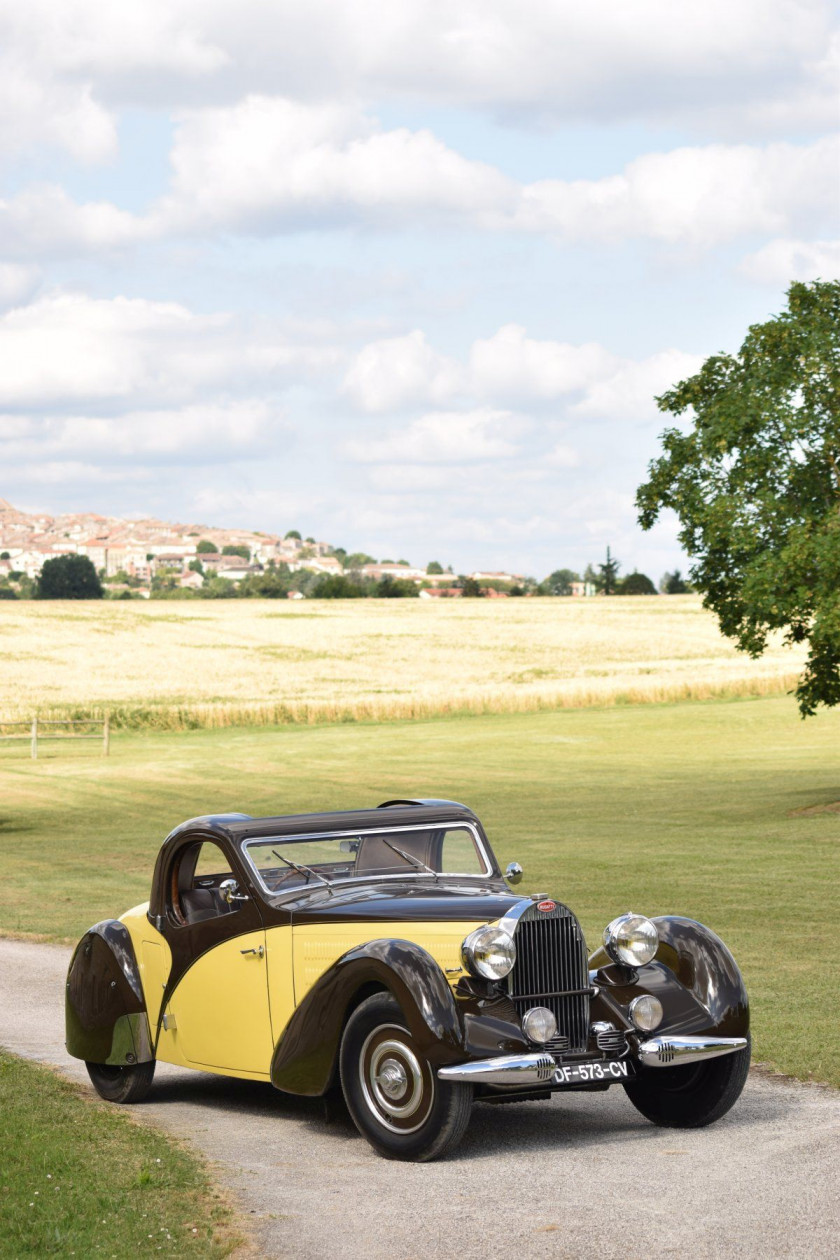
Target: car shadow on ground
567	1121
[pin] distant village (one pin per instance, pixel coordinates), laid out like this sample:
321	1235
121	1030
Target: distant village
151	558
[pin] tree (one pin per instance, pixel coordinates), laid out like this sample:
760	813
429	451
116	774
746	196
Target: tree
434	567
237	549
195	566
636	584
673	583
560	582
396	588
470	588
4	555
609	574
754	479
293	533
69	577
337	586
206	548
358	558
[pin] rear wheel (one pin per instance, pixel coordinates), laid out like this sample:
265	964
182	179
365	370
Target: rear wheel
693	1095
128	1084
391	1089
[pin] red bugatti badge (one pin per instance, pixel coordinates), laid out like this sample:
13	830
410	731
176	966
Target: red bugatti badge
546	906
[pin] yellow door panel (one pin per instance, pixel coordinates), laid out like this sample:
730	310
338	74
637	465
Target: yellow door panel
281	990
317	946
220	1008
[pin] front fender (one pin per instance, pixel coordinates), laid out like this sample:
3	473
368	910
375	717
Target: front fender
693	974
304	1059
105	1010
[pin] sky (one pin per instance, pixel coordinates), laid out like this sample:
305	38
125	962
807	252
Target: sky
405	277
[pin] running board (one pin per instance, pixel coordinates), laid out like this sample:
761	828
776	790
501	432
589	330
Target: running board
663	1052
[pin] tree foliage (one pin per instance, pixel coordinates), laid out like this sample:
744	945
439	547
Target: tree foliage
608	580
69	577
755	481
636	584
560	582
434	566
206	548
237	549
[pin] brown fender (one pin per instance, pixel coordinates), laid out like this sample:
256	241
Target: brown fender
305	1057
693	974
105	1011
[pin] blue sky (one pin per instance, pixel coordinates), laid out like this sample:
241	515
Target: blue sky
406	279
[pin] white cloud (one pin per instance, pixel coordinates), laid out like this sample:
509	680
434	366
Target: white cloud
389	374
17	283
627	393
511	365
68	348
510	368
443	437
268	163
706	61
781	261
204	432
42	221
700	196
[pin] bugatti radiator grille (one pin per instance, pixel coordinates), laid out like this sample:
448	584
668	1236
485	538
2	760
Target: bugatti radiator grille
551	970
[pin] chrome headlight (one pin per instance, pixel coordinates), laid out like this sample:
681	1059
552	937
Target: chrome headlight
646	1012
489	952
539	1024
631	939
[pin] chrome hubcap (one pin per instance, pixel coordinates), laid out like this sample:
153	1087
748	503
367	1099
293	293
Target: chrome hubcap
392	1079
395	1085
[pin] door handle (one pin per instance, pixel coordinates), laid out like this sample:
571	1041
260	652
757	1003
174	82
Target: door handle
259	951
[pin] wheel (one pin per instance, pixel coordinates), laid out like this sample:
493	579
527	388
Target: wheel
391	1090
128	1084
693	1095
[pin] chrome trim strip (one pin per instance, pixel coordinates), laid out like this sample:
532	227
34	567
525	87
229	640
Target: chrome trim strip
372	831
507	1069
663	1052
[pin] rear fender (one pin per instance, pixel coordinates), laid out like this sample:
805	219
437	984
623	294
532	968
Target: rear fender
105	1010
305	1058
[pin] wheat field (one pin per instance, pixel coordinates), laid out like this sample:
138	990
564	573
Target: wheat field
203	664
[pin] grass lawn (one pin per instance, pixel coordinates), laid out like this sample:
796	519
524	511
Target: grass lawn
80	1179
686	808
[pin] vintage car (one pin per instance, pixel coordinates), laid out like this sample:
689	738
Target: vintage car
382	952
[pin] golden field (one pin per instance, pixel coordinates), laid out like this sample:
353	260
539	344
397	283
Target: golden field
203	664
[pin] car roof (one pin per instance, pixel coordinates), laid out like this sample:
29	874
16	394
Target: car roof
394	813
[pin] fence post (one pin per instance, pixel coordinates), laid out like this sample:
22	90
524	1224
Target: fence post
106	735
35	738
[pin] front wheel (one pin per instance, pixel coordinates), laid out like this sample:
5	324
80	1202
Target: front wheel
692	1095
128	1084
391	1089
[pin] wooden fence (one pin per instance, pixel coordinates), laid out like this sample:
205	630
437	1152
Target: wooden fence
41	728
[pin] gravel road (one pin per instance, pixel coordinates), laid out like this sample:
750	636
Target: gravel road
576	1177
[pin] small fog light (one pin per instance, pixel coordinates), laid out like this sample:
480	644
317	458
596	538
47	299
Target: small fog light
646	1012
539	1024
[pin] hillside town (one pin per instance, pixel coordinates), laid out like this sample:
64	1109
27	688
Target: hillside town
139	555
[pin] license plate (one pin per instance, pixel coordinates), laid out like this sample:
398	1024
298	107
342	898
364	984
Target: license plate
580	1073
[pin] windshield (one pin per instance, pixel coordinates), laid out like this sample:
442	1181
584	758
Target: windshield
285	862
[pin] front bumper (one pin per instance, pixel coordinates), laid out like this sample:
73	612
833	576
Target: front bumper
539	1069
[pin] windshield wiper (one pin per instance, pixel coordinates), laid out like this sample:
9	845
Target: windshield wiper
409	857
305	870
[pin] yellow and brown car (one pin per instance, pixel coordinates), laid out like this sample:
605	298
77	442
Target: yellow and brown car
383	953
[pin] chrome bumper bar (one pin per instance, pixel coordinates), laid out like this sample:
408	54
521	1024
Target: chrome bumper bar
670	1051
539	1069
507	1069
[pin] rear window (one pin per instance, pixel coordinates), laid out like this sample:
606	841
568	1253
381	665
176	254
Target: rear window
286	862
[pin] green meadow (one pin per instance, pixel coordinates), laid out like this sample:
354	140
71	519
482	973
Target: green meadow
721	810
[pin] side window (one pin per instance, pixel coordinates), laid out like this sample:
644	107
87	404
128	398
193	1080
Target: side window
458	854
197	874
211	861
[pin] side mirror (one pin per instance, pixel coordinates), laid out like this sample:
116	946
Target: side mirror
229	892
514	872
